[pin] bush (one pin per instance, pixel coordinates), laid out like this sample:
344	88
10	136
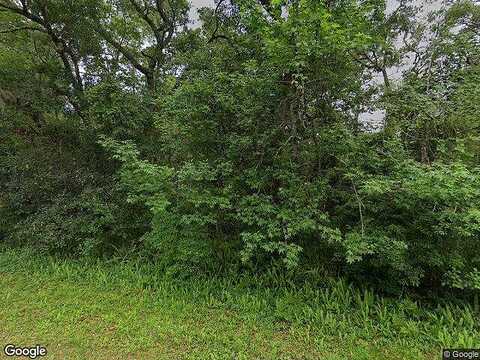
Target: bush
421	225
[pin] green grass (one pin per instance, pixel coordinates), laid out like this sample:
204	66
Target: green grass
94	310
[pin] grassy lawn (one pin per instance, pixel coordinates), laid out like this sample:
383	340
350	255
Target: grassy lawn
91	310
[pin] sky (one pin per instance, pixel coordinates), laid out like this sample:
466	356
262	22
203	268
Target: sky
198	4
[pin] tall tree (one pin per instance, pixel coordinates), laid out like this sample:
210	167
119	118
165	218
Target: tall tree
142	31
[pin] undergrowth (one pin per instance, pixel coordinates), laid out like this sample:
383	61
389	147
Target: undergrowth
329	310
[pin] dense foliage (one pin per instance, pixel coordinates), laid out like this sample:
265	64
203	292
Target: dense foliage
239	144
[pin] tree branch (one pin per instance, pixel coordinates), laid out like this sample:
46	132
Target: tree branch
124	51
24	12
26	28
161	11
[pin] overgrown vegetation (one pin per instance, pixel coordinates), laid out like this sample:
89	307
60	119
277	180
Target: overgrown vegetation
237	146
137	312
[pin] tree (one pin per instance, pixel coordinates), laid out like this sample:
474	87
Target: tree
63	31
142	31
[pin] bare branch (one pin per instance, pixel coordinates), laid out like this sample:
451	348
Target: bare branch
217	22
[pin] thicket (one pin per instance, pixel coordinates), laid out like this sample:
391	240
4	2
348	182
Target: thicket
239	144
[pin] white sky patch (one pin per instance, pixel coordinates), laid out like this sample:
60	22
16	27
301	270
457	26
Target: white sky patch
195	5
